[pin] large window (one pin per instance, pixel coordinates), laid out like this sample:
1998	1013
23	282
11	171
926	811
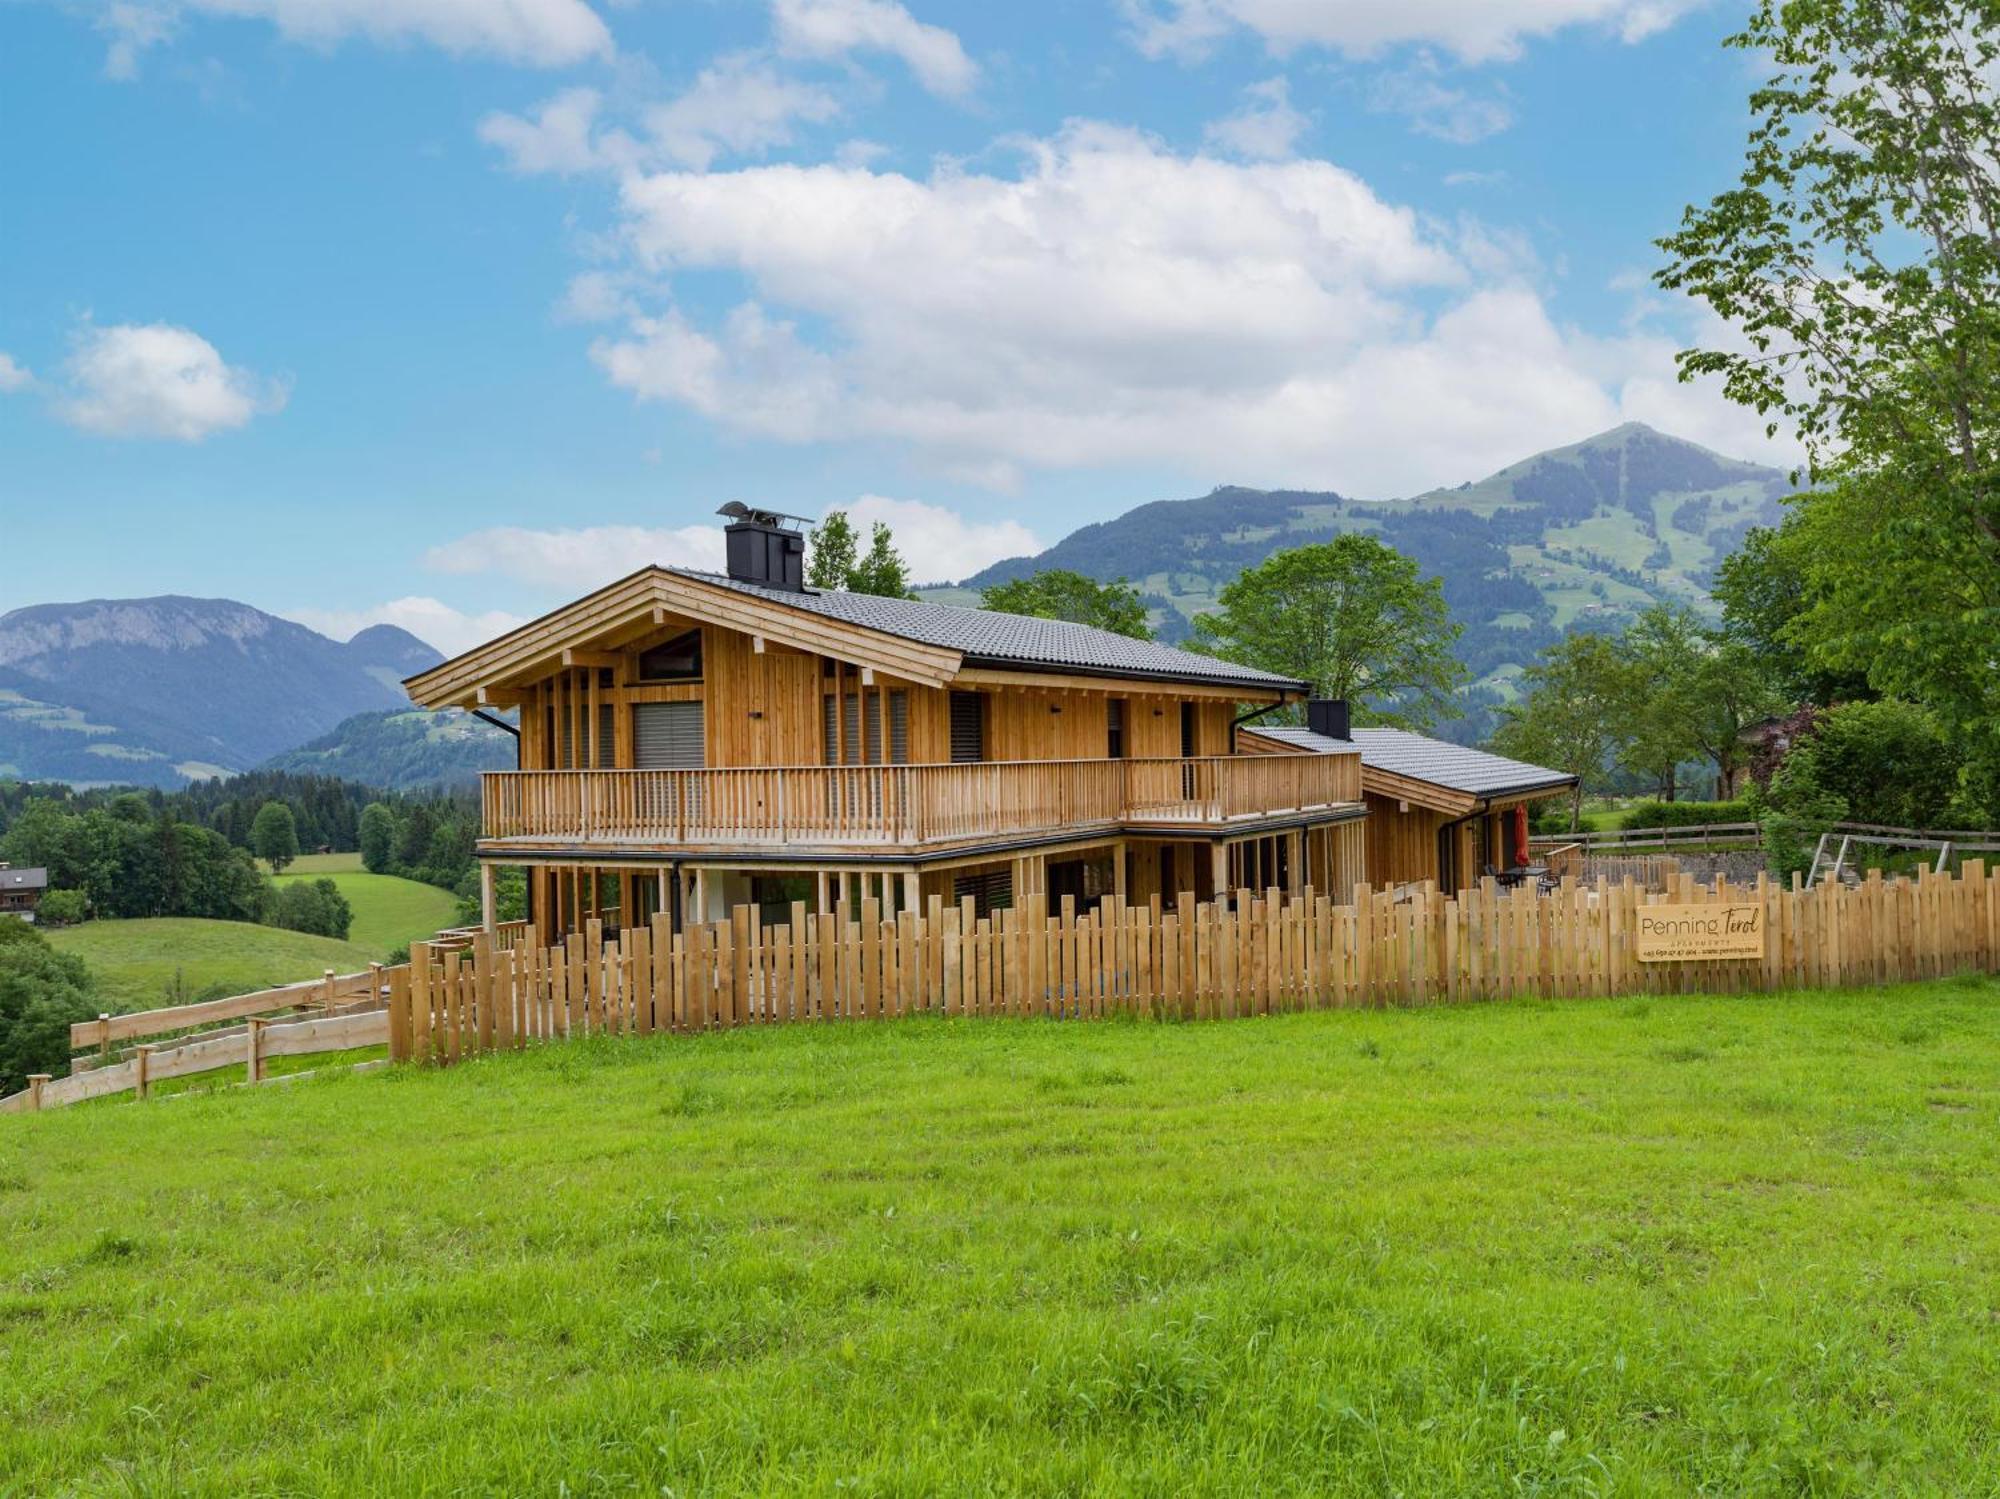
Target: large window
676	660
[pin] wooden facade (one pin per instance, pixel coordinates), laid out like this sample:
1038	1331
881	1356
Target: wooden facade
811	759
1420	831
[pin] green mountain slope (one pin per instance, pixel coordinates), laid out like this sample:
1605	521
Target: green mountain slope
1585	535
404	751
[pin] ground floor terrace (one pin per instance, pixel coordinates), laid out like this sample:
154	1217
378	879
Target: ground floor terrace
564	895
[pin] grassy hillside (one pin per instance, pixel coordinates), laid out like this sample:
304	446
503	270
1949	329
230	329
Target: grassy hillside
136	961
388	912
1694	1245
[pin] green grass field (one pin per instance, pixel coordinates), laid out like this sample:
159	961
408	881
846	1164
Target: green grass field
388	912
1724	1246
318	864
136	961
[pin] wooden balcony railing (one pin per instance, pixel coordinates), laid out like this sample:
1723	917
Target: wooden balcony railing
905	804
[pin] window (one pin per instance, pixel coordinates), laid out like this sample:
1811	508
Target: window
968	727
1114	718
677	660
991	890
1188	725
563	735
853	742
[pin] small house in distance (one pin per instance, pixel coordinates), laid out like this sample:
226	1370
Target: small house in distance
692	742
1436	810
21	891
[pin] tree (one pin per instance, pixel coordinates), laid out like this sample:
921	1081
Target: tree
1654	713
1766	592
835	561
274	836
1351	616
1858	258
378	838
1887	762
315	906
831	553
42	994
1727	691
1568	714
63	908
1058	593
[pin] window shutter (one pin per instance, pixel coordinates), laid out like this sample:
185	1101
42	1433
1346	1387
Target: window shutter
968	727
668	736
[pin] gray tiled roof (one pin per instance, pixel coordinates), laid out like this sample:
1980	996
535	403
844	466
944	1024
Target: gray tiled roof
986	636
24	879
1421	758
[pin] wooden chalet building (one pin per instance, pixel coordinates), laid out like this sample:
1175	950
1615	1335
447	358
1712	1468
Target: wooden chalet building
1436	810
692	741
21	891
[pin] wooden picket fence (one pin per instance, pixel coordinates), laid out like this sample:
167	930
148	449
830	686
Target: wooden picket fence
1253	955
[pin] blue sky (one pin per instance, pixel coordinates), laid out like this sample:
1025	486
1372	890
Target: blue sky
443	313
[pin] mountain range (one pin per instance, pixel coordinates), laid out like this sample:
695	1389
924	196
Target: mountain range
1582	536
159	691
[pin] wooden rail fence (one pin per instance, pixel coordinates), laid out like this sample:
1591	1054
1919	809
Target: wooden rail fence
1252	955
1255	955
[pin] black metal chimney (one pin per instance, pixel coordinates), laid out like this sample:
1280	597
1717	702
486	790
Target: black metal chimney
1328	716
763	549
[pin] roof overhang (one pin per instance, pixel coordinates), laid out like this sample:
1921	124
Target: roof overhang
1433	796
493	674
650	598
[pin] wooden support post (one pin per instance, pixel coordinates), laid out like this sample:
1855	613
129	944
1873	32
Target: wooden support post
253	1059
1218	871
104	1040
327	1001
820	905
701	897
1119	860
142	1066
36	1082
912	889
1295	858
486	896
662	905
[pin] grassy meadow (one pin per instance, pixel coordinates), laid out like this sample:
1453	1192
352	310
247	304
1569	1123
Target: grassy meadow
388	912
1727	1245
138	963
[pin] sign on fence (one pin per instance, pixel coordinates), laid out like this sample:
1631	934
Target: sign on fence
1700	933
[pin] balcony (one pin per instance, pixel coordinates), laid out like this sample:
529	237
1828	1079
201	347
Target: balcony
875	807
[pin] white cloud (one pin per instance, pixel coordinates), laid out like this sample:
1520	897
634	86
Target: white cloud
1265	129
939	543
560	137
538	33
430	620
156	380
1473	30
831	29
13	376
576	560
132	28
738	105
1435	108
1116	303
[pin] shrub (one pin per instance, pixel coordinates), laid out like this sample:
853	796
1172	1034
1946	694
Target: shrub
1888	762
42	994
64	907
1659	814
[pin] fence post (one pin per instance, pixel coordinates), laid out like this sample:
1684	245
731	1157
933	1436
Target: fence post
36	1082
104	1039
142	1068
253	1055
329	988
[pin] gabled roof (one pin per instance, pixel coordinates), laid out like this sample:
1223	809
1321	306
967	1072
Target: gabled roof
986	637
24	879
1437	762
914	640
